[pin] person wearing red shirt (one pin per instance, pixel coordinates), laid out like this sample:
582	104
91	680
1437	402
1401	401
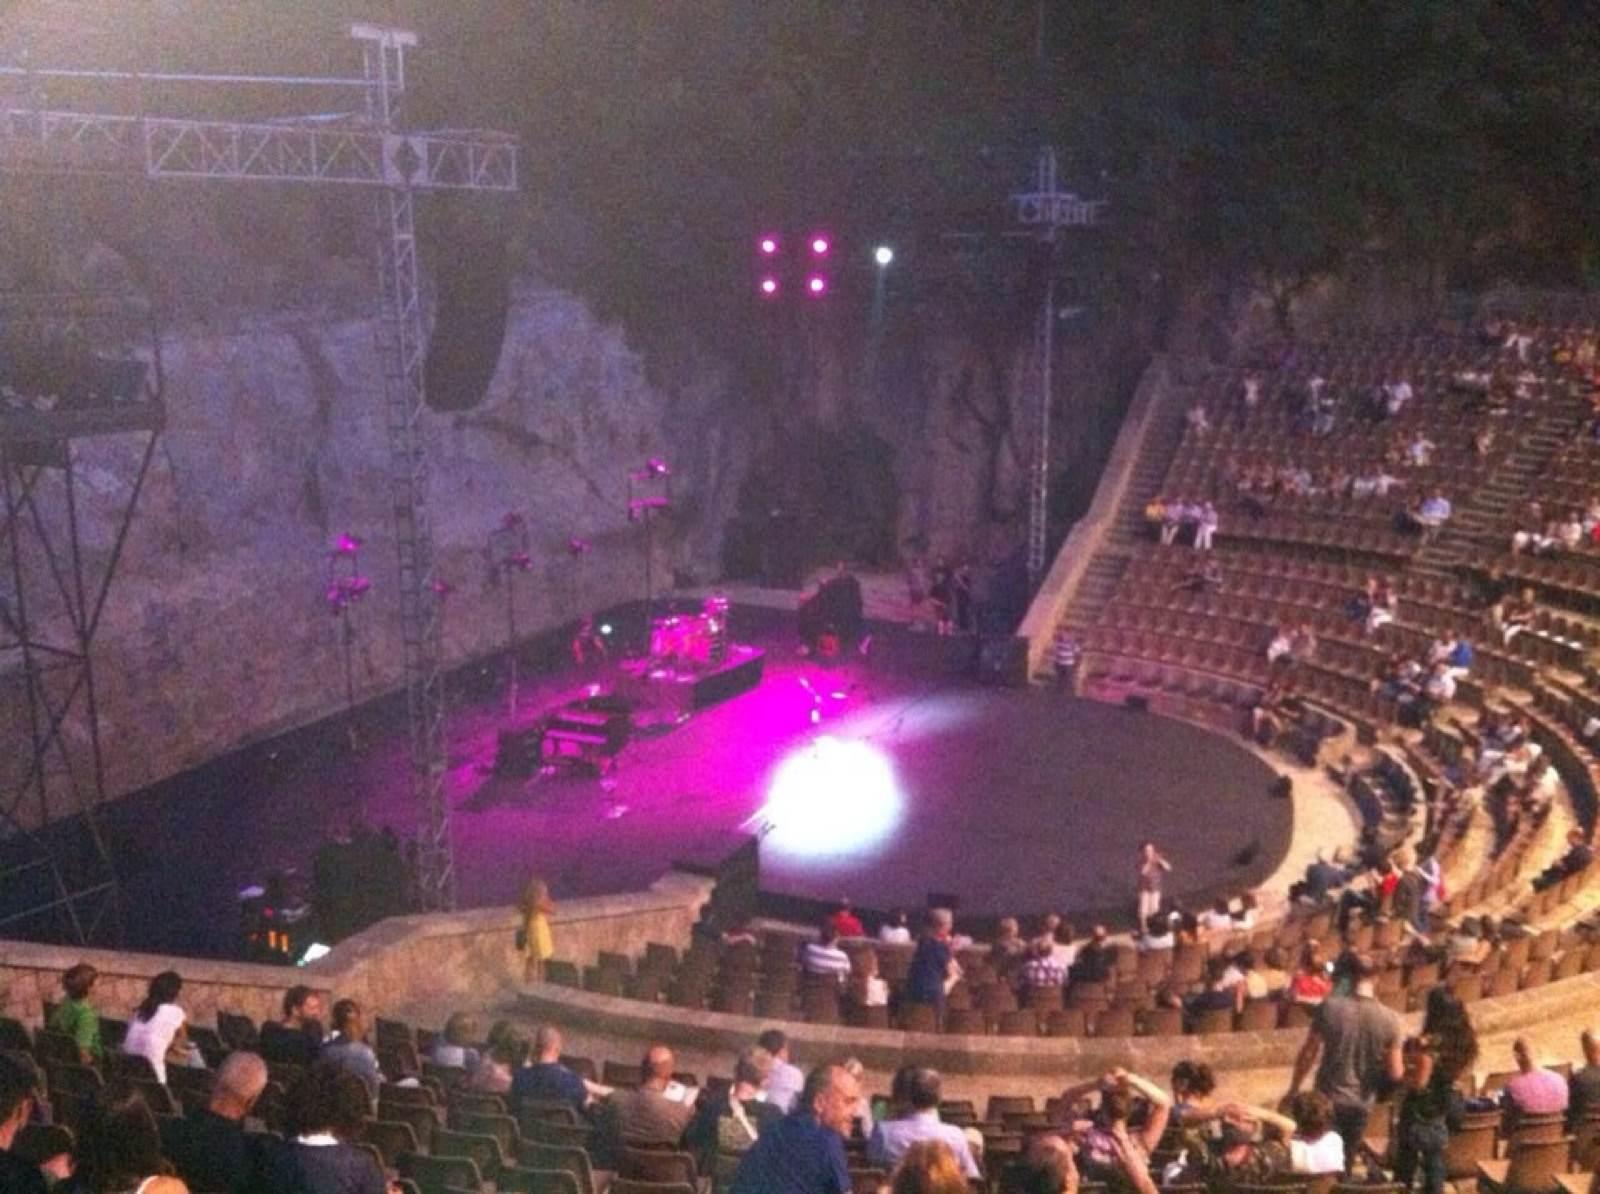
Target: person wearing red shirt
845	922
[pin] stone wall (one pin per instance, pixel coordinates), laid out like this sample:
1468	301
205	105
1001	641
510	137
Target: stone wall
469	957
217	632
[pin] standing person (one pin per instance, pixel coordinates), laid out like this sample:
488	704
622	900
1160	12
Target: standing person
942	592
534	938
1151	867
1354	1045
157	1026
803	1153
1433	1063
76	1017
934	969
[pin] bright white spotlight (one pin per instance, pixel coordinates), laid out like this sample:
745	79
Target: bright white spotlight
883	255
831	799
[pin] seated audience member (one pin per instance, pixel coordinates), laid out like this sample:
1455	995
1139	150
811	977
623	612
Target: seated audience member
208	1147
656	1112
1311	982
323	1116
803	1153
897	929
1049	1167
845	922
1578	856
18	1090
499	1065
1236	1157
119	1148
867	987
915	1095
1096	959
1057	934
1314	1146
1193	1085
1217	918
1282	645
1156	934
928	1168
1432	513
348	1048
785	1081
455	1048
297	1037
1510	616
733	1119
1042	969
157	1025
75	1016
1219	994
1534	1090
1205	527
1009	947
1111	1129
823	958
547	1079
1207	578
1583	1088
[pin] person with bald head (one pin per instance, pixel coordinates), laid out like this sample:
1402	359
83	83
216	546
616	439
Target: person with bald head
208	1146
657	1112
1534	1090
803	1153
547	1079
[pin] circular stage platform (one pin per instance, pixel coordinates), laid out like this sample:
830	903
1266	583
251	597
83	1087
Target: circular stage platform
882	778
1025	802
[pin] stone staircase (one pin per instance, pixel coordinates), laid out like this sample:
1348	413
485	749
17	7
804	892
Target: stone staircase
1481	518
1149	473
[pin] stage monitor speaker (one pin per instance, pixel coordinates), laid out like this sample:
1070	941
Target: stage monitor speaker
1139	702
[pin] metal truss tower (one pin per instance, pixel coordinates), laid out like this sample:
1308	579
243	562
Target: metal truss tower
368	148
1048	209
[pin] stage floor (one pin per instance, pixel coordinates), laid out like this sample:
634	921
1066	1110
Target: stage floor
1013	800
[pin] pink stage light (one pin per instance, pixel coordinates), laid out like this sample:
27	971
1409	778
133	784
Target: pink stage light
768	245
817	285
831	798
820	246
769	286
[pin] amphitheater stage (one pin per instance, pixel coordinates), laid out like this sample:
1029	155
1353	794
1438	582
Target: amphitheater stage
882	778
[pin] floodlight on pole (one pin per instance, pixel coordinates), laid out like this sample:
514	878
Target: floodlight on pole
883	255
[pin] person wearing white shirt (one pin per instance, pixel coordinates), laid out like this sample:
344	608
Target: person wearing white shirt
896	931
824	957
157	1024
915	1093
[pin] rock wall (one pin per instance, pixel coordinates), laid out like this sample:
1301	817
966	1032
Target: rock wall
216	630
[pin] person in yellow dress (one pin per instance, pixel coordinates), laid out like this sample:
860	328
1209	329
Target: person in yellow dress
536	943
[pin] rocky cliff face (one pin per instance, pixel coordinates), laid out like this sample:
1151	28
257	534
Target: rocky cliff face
217	631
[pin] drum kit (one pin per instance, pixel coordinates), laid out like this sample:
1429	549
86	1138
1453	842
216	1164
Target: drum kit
691	641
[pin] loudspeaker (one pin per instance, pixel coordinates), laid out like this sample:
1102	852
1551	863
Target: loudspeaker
1003	659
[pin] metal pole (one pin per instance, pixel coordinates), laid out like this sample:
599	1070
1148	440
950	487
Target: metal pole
511	635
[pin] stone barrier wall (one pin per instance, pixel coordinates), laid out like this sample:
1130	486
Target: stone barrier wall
467	956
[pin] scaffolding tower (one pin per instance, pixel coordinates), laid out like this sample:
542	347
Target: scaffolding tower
369	147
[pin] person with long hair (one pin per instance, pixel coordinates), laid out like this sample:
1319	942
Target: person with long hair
119	1148
157	1027
1434	1061
928	1167
535	940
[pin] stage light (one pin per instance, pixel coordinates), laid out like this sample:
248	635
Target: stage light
605	627
820	246
768	245
817	285
315	951
883	255
769	286
833	798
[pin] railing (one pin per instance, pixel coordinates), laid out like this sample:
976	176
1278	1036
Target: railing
1086	538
